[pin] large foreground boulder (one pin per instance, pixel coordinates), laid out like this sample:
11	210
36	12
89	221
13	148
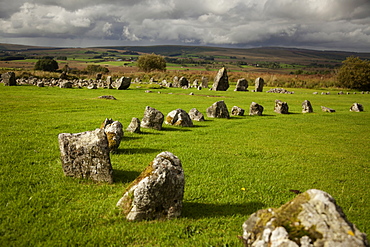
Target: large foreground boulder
153	119
158	191
221	81
311	219
218	110
86	155
179	117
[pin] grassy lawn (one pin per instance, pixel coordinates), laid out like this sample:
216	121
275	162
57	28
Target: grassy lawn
233	167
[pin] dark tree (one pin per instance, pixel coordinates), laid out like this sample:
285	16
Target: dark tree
354	74
150	62
46	64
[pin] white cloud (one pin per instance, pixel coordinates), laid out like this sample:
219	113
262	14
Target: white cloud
320	23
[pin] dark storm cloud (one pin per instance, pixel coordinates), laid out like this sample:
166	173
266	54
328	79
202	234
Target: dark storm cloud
317	24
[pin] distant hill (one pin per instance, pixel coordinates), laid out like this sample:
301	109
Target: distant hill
268	54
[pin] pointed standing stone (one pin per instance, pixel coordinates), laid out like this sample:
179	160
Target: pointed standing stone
221	82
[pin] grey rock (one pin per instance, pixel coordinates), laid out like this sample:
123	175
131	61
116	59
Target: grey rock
107	97
196	115
86	155
241	85
218	110
152	119
92	86
114	134
9	79
237	111
179	117
109	82
356	107
313	219
281	107
65	84
40	84
255	109
158	191
123	83
204	83
279	90
221	81
258	84
327	109
307	107
175	81
134	126
98	76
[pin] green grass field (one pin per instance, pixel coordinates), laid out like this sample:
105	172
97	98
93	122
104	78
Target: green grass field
233	167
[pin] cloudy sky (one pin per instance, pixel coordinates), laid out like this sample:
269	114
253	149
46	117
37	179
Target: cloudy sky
314	24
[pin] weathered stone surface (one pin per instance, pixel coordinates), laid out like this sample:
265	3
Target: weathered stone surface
65	84
114	134
279	90
179	117
218	110
356	107
255	109
221	81
196	115
204	83
153	119
311	219
86	155
237	111
9	79
134	126
281	107
183	82
327	109
175	81
92	86
158	191
107	97
123	83
306	107
241	85
109	82
258	84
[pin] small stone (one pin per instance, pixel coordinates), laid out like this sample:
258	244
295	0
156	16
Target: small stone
218	110
306	107
195	115
281	107
237	111
255	109
356	107
134	126
179	117
152	119
327	109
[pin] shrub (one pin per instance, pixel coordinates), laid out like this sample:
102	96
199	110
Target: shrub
46	64
150	62
354	74
96	69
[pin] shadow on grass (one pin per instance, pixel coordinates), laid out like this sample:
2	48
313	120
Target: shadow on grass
120	176
180	129
196	210
137	151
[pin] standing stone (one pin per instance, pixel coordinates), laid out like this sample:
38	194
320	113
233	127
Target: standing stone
9	79
218	110
123	83
153	119
195	83
221	81
134	126
196	115
255	109
237	111
281	107
114	134
259	83
241	85
183	82
306	107
311	219
175	82
98	76
356	107
86	155
179	117
158	191
65	84
204	83
109	82
327	109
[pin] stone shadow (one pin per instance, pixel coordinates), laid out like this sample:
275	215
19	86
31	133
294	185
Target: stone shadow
197	210
180	129
120	176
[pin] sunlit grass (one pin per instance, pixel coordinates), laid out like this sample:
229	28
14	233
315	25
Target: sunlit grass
233	167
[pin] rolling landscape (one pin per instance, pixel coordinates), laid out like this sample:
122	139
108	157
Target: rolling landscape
233	167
